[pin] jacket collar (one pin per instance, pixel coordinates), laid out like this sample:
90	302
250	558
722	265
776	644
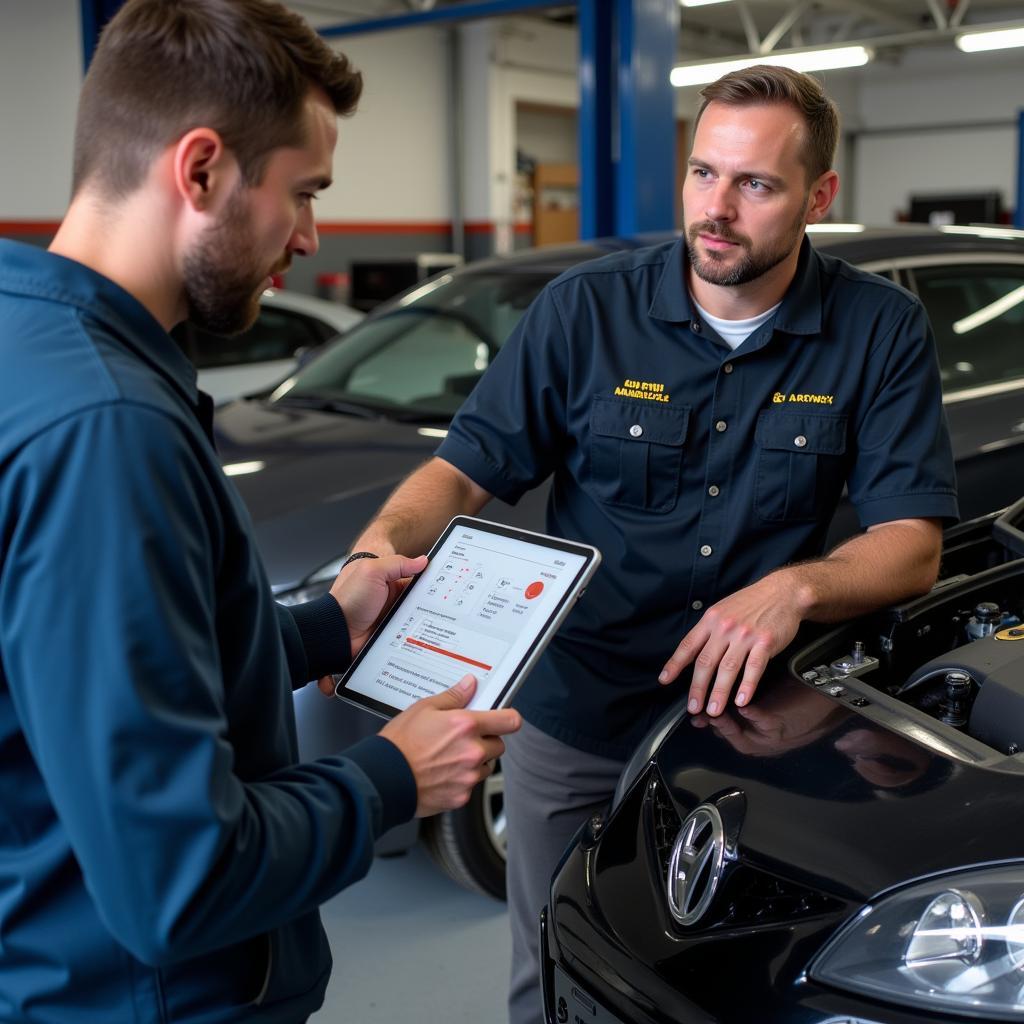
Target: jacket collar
27	270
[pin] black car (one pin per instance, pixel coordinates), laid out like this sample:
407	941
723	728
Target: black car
846	849
316	457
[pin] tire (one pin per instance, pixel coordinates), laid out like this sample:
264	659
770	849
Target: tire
469	844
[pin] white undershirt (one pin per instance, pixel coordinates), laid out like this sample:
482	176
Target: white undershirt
735	332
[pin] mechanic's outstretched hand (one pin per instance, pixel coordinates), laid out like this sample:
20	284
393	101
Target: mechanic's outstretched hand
449	748
737	635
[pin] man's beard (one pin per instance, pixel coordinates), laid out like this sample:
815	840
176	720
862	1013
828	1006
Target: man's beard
754	263
221	280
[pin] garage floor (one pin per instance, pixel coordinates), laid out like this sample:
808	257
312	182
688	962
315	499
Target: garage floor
409	944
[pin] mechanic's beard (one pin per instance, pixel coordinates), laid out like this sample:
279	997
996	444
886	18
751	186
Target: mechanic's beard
222	283
754	263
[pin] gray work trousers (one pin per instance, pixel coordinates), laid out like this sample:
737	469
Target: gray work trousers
550	790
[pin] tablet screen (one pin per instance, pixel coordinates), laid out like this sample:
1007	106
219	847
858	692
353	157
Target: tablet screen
490	596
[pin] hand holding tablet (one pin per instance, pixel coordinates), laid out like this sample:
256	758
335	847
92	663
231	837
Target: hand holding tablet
449	750
490	599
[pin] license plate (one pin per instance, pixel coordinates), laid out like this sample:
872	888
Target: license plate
575	1006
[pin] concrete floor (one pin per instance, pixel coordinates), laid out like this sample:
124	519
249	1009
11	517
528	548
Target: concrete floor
411	945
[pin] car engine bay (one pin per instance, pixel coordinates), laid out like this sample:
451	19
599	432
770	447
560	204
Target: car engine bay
955	654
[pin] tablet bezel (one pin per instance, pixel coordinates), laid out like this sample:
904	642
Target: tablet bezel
592	559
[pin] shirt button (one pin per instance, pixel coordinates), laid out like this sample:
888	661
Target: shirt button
721	426
727	368
714	491
636	430
697	605
800	441
705	550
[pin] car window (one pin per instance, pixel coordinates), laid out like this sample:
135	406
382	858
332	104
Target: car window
276	334
424	355
977	313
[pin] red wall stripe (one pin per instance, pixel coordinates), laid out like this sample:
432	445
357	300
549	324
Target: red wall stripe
29	227
340	227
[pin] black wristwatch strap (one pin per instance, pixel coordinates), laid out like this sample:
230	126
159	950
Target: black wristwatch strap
358	554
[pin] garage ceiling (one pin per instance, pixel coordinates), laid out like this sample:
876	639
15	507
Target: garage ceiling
754	26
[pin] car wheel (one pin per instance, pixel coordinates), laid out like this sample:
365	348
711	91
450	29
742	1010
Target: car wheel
469	844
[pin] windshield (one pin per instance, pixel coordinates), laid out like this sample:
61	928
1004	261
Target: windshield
420	359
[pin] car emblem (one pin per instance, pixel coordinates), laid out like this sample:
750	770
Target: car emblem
695	868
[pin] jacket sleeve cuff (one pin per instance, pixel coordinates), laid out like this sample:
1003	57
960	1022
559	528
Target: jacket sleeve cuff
383	764
317	642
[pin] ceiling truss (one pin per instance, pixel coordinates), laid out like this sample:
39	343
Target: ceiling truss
829	22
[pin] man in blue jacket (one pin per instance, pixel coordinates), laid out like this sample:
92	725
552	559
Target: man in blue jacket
163	850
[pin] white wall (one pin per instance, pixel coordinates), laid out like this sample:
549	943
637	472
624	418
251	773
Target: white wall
943	91
392	161
534	63
40	73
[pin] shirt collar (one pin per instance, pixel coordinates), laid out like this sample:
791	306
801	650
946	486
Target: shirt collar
671	297
27	270
800	312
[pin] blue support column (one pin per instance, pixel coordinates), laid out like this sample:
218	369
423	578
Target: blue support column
648	30
598	154
1018	214
627	116
95	14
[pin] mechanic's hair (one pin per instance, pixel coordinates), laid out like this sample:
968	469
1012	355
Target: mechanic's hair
163	67
763	84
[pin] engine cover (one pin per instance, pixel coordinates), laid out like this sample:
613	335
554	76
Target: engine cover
996	664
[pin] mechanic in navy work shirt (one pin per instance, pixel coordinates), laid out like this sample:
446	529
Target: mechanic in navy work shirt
163	850
699	406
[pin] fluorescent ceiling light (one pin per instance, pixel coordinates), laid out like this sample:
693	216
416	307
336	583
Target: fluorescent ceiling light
800	60
1001	39
700	3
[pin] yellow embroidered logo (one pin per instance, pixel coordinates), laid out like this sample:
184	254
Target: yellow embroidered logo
780	397
642	389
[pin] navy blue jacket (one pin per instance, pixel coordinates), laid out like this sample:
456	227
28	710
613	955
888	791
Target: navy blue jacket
162	849
693	468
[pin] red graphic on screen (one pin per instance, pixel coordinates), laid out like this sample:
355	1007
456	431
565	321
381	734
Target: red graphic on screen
534	590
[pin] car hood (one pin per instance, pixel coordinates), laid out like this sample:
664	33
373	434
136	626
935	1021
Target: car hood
835	798
322	476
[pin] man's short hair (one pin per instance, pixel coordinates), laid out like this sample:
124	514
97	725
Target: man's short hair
163	67
763	84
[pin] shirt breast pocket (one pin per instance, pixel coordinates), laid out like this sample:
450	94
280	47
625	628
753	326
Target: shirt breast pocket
636	453
801	465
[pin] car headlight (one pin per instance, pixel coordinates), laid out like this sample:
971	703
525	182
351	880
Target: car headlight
953	944
315	585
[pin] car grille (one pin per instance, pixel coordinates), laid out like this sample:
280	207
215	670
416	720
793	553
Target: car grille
665	820
749	894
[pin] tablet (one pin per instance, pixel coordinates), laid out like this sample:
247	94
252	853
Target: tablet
490	599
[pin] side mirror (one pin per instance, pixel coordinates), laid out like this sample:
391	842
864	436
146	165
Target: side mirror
305	353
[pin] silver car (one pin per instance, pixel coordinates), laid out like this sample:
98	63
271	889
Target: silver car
289	327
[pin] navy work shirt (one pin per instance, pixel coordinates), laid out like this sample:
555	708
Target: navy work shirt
695	469
162	850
